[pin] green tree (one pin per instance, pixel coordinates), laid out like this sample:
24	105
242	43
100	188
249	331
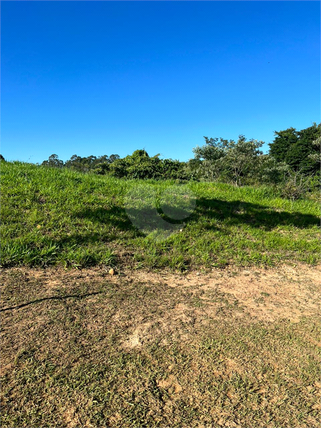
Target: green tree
112	158
316	157
298	148
119	168
53	161
270	171
229	160
213	149
282	143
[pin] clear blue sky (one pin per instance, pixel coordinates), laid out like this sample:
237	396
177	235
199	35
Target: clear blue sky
94	78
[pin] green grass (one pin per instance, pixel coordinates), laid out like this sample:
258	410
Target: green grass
51	216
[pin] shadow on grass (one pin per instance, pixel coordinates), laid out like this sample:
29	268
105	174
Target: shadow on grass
255	215
114	216
125	225
236	213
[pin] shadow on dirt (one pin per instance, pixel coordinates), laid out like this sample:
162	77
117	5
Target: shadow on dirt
75	296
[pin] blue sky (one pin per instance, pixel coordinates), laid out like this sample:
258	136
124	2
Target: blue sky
94	78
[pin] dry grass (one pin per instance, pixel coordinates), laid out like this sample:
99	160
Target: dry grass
231	348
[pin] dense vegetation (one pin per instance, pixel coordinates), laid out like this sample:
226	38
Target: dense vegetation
298	149
292	163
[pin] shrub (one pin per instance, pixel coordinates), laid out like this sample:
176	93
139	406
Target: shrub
298	186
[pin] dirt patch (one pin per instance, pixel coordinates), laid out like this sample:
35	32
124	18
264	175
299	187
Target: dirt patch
170	383
178	305
71	418
97	347
266	294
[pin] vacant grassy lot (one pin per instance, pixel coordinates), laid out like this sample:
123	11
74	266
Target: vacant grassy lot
52	216
172	340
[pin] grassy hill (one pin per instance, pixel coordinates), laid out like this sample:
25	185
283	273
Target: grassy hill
235	347
57	216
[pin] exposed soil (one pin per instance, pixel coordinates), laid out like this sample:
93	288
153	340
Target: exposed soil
288	292
67	321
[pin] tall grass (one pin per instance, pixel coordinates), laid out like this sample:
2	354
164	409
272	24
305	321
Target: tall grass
58	216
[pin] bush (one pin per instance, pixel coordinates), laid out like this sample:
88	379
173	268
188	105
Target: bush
298	186
272	172
229	161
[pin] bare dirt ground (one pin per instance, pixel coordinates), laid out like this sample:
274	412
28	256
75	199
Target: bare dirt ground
268	294
286	292
229	348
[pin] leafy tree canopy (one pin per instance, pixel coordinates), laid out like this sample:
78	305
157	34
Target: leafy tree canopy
298	148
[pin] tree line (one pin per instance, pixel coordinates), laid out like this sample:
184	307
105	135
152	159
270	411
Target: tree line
293	161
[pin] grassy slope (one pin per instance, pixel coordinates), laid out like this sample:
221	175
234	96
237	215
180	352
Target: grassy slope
55	216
